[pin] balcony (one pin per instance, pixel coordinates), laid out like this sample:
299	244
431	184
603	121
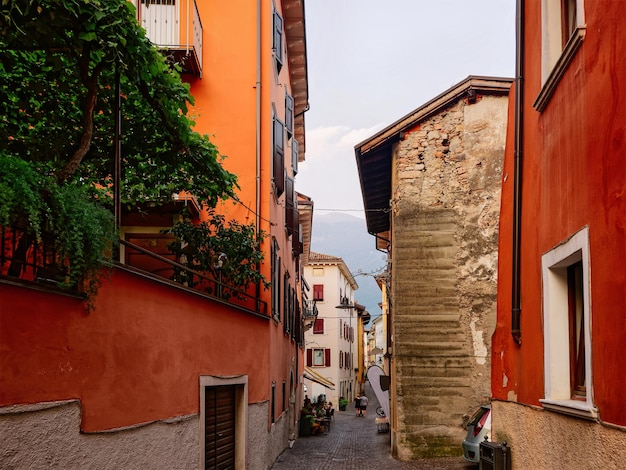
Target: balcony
174	27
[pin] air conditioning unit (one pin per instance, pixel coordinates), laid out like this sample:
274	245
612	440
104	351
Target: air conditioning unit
494	456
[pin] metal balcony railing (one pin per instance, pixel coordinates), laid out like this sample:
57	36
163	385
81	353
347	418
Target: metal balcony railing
309	309
175	27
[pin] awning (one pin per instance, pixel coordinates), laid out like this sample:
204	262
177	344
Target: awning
315	377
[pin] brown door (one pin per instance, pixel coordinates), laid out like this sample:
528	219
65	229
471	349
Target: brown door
219	427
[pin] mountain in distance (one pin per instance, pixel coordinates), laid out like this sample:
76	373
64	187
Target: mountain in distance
345	236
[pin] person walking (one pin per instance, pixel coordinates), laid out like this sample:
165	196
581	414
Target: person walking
363	405
357	405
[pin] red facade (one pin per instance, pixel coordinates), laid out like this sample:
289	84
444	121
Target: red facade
566	157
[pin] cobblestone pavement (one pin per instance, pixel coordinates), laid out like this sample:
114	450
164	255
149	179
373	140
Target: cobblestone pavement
355	443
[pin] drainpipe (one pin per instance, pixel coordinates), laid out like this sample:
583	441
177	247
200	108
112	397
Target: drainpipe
258	133
516	330
258	114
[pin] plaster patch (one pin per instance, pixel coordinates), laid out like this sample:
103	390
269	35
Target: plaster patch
505	380
511	396
480	350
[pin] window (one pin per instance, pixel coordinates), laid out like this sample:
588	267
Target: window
279	157
294	156
286	300
319	357
318	326
291	208
289	115
318	292
318	272
563	31
275	280
567	335
277	41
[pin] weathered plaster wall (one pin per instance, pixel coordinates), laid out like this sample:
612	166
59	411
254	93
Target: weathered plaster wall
446	201
47	435
581	443
49	438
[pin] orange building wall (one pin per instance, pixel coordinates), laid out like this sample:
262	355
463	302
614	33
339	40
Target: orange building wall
574	175
226	109
136	358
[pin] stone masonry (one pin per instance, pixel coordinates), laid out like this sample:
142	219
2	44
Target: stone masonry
446	180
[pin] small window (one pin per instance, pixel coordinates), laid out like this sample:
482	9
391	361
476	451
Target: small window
318	357
318	326
318	292
567	336
289	115
276	278
563	31
294	156
279	157
291	207
277	42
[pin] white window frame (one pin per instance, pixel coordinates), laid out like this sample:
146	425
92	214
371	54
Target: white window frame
557	386
556	57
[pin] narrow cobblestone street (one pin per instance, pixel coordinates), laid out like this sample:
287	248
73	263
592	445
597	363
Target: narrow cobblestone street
355	443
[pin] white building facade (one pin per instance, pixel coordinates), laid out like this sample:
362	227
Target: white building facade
330	345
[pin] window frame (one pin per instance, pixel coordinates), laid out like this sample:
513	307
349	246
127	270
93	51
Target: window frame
277	39
276	279
278	167
558	390
318	292
556	53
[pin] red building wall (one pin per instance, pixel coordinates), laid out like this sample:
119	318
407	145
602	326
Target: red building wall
136	358
574	175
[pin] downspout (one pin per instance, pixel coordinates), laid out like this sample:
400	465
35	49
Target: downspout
258	133
516	330
258	115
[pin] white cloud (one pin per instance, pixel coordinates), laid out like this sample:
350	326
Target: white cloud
329	174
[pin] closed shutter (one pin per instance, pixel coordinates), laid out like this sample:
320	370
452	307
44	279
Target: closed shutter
327	358
279	157
309	357
318	292
219	427
318	326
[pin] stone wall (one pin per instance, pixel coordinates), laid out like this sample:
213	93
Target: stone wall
445	206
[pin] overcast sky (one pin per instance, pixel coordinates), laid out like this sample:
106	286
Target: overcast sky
370	62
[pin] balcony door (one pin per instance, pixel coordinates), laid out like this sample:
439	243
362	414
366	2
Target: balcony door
160	19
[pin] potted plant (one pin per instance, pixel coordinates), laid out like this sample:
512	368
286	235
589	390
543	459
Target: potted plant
342	404
306	424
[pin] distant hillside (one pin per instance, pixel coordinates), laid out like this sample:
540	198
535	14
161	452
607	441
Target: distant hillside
346	236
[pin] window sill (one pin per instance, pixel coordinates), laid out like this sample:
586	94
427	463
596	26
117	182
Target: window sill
574	43
578	409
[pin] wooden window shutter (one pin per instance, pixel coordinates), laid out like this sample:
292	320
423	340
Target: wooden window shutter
318	326
297	246
290	204
318	291
279	157
327	357
294	156
289	115
309	357
277	42
340	359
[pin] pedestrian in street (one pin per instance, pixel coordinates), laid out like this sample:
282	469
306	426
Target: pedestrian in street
363	405
357	405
